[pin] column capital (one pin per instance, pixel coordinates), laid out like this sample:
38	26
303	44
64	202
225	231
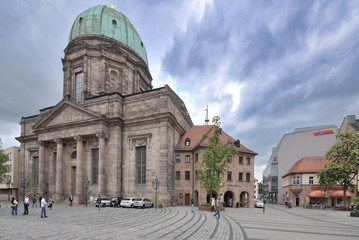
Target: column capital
79	138
41	143
58	141
102	135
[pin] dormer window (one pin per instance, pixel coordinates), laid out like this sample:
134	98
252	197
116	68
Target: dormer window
187	142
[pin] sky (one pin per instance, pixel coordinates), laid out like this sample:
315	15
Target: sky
265	67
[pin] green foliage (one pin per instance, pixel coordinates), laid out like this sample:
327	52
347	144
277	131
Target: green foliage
344	162
206	205
356	202
3	159
215	160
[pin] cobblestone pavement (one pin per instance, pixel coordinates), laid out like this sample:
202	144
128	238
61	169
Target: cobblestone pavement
80	222
279	223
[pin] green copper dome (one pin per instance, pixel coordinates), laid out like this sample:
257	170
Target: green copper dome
105	21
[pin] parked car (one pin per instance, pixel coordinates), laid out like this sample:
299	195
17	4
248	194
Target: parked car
105	202
128	202
115	202
143	202
259	204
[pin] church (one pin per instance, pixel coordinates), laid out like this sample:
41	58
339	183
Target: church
112	134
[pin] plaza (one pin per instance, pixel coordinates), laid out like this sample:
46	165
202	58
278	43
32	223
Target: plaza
80	222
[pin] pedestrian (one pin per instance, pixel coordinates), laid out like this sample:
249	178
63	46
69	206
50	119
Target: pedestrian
51	202
14	205
26	206
192	204
218	204
98	202
71	198
43	207
34	201
213	202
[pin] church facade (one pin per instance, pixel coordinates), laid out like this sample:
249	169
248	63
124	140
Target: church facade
113	134
111	131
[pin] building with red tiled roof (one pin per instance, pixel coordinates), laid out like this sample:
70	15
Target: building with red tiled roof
301	185
238	184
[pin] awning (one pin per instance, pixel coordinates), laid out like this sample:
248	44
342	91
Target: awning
317	194
340	194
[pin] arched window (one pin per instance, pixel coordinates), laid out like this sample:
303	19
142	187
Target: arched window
74	155
114	22
187	142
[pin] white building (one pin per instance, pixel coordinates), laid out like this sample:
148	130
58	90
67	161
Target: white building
302	142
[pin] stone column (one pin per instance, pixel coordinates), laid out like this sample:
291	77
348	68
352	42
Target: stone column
41	185
79	166
59	150
101	162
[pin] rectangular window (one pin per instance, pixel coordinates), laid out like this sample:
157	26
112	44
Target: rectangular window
240	177
78	86
54	156
229	176
187	175
94	165
248	161
187	159
240	160
35	170
178	175
298	180
141	164
178	158
311	180
248	177
196	157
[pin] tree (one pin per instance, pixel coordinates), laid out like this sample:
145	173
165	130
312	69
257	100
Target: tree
215	160
3	159
344	163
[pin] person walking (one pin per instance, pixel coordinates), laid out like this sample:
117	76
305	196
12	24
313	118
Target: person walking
26	206
192	205
34	201
98	202
218	204
213	202
71	199
43	207
14	205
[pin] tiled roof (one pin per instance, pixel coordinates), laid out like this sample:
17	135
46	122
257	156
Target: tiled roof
195	136
307	165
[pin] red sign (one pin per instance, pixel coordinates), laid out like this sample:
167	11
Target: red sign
323	132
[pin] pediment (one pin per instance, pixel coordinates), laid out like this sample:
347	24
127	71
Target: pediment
69	115
66	114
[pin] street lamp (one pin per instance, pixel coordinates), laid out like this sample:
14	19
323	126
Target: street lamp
24	185
155	185
8	183
86	183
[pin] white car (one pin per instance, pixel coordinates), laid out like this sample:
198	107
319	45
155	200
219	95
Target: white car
105	202
128	202
259	204
143	202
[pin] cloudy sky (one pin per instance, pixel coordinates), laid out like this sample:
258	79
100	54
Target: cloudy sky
265	67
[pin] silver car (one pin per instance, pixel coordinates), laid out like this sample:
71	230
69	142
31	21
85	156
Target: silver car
143	202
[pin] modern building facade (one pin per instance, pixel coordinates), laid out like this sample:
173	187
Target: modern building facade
237	184
302	142
301	186
10	184
112	134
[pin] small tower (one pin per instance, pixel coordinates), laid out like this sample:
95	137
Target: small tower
206	120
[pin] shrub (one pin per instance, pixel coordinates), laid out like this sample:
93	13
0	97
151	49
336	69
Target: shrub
206	205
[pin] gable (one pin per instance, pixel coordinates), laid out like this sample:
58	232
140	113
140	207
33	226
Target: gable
66	113
69	115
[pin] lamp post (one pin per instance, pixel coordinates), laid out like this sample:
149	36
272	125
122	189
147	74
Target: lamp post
155	184
24	185
8	183
86	183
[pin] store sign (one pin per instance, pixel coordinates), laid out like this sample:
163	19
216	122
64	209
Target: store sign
327	188
323	132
